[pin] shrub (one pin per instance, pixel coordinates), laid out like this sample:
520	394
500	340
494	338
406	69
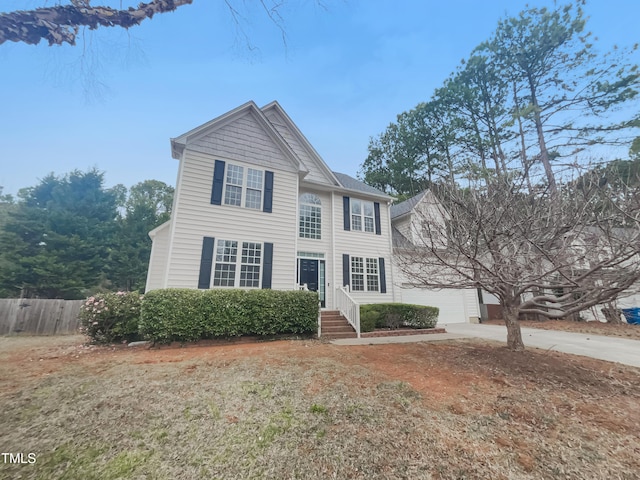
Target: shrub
396	315
368	318
111	317
187	315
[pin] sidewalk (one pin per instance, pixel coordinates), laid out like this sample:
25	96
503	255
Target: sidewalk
612	349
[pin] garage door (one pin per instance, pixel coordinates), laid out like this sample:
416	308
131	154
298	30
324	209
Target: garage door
456	306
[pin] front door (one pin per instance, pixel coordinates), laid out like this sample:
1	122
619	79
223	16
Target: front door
309	273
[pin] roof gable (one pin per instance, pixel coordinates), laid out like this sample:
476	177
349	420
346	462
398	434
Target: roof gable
402	208
424	201
227	134
318	171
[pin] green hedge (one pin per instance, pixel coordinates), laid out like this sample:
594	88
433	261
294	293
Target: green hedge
186	315
396	315
111	317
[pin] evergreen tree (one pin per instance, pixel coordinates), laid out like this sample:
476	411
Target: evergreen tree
57	238
147	206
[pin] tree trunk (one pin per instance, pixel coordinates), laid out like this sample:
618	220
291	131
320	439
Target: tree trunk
611	313
523	148
514	335
544	153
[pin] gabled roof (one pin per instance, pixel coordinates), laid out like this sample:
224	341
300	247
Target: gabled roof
405	207
350	183
178	143
277	133
310	152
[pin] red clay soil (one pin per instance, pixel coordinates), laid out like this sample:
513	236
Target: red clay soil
443	371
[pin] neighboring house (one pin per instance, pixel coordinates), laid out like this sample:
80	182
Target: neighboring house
457	305
256	207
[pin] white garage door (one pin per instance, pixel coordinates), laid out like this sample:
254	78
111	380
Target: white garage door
456	306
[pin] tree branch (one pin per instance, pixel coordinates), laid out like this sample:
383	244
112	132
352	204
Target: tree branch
60	24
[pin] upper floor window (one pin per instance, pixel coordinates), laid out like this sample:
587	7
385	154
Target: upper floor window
241	182
362	215
233	184
310	219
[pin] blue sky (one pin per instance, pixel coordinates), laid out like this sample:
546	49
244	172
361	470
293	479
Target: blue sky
113	101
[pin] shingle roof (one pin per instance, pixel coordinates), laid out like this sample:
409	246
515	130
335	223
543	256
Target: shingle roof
351	183
406	206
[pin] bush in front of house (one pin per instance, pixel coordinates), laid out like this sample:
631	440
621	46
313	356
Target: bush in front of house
111	317
396	315
186	315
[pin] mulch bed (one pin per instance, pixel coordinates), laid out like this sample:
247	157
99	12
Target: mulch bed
402	332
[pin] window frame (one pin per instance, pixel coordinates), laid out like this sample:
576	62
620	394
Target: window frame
244	265
364	273
244	186
361	218
303	231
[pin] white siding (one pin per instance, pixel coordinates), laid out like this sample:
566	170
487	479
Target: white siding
158	260
245	140
363	244
196	218
456	305
489	298
308	158
404	227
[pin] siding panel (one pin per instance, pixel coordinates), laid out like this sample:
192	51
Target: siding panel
158	260
198	219
363	244
245	140
315	173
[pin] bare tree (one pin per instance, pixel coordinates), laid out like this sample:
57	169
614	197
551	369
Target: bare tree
539	253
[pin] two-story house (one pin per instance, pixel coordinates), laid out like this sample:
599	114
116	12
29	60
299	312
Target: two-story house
256	207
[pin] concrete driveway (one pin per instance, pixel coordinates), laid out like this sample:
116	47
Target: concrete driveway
612	349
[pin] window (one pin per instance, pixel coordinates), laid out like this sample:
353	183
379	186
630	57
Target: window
236	182
224	274
233	190
365	275
362	215
254	189
357	274
227	273
372	275
310	219
250	266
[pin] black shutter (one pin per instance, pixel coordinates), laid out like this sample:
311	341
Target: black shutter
376	211
346	209
383	276
267	204
267	265
206	262
218	181
346	269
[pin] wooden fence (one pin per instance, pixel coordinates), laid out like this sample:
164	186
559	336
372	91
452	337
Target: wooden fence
28	316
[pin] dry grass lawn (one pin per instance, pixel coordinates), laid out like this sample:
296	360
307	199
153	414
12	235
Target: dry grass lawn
311	410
